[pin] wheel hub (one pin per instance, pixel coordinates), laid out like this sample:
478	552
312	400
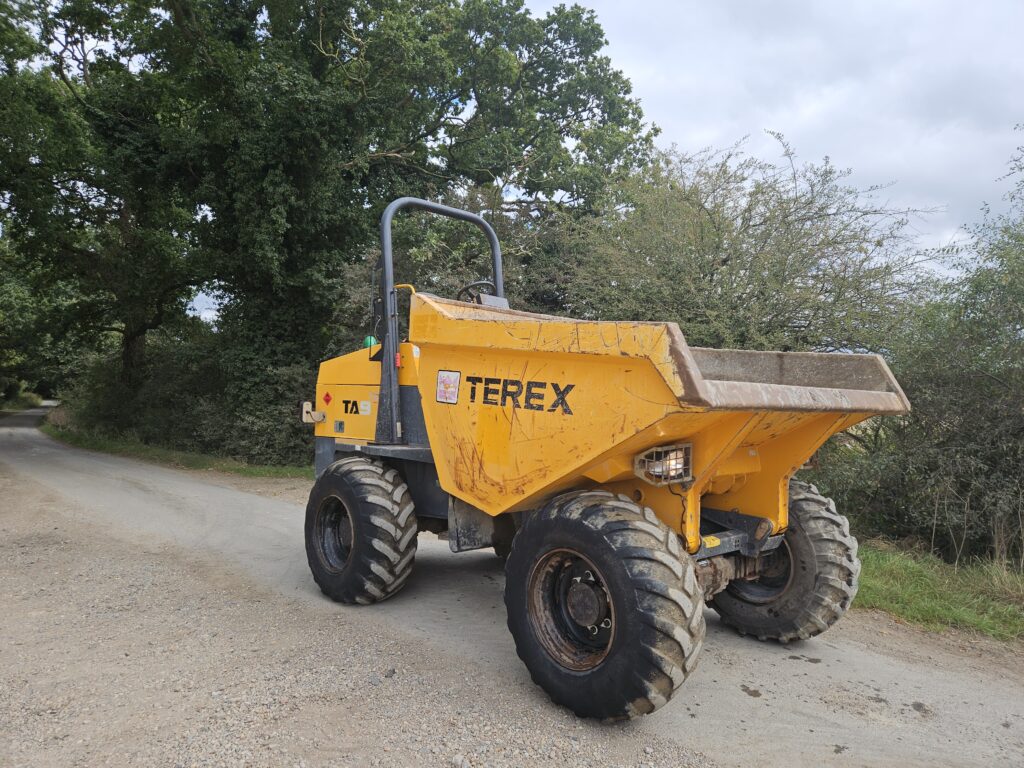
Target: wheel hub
571	610
333	534
586	603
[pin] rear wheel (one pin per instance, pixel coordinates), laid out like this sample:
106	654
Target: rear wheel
603	605
807	584
360	531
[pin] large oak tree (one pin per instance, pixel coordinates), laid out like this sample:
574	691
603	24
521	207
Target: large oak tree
151	149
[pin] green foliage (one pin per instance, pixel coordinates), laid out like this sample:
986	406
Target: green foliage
192	399
94	198
311	119
14	398
952	472
36	346
740	252
922	589
247	149
16	308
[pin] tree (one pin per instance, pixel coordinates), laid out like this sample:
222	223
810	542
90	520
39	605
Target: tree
311	118
90	177
34	348
740	252
247	148
951	473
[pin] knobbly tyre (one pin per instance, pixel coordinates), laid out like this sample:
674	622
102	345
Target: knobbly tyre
627	478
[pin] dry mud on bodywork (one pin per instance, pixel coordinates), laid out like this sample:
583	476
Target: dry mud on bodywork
161	617
128	651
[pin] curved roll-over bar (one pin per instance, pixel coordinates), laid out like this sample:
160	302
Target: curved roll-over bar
389	413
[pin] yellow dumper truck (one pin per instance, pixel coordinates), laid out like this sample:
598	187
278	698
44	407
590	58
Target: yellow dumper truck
627	478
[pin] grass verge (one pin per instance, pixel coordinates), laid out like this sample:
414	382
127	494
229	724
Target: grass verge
20	402
135	449
921	589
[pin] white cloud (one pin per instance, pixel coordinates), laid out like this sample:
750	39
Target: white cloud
923	94
206	307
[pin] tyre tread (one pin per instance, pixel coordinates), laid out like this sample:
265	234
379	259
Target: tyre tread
835	551
663	578
385	554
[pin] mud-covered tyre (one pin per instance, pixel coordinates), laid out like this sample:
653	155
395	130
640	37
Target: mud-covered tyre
603	605
810	580
360	531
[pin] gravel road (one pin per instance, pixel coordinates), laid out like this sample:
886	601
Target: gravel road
160	617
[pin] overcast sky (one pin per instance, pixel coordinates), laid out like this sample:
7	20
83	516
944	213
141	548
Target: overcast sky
923	94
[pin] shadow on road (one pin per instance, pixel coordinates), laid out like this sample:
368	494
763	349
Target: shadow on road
29	419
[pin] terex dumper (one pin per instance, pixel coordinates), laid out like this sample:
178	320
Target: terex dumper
628	478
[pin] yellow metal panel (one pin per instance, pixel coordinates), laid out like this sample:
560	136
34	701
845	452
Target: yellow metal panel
540	401
766	493
351	412
667	501
434	321
357	367
524	423
743	461
351	383
520	406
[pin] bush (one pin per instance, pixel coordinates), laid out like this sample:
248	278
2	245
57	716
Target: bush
199	395
951	473
14	397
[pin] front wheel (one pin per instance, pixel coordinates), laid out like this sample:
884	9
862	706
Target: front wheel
807	584
360	531
603	605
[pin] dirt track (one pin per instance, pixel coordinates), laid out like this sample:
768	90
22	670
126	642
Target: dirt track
158	617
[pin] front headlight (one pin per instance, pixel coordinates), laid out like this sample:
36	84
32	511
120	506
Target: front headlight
665	464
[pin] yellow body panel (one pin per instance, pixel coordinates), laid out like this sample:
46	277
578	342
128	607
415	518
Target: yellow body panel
351	384
519	406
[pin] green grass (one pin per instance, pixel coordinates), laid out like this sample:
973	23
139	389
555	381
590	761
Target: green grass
20	402
921	589
135	449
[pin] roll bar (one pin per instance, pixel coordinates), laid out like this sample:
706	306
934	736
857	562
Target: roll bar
389	411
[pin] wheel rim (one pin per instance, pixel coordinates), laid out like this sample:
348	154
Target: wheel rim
333	534
775	579
570	610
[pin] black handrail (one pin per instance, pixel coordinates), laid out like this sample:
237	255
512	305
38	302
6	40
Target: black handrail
389	408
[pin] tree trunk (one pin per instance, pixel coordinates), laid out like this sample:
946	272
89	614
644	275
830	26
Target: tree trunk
133	349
